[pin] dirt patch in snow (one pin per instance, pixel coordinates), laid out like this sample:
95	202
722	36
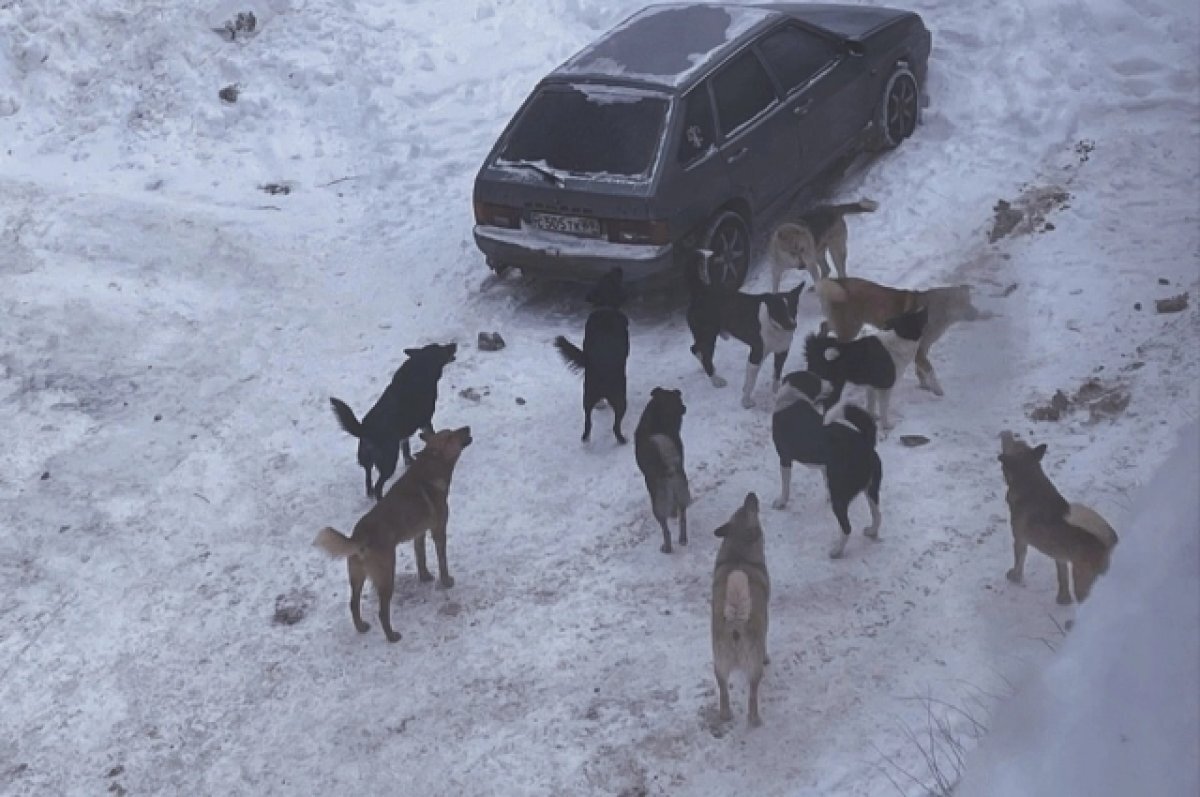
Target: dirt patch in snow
1028	212
1103	400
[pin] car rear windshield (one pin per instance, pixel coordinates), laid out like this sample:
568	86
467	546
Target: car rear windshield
589	130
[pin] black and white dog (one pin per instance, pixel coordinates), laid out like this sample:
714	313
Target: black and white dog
876	361
605	350
659	451
405	406
766	322
842	446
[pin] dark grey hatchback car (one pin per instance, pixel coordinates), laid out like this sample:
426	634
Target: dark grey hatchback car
686	124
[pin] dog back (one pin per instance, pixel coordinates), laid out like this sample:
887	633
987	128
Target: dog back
606	340
741	590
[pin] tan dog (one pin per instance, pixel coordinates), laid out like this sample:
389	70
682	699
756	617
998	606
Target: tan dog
805	242
415	504
1070	534
850	302
740	591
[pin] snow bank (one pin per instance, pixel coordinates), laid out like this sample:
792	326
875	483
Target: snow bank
1118	711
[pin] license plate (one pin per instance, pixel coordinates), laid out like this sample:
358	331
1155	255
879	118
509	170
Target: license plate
571	225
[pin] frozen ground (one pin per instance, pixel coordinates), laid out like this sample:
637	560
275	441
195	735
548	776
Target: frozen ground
170	335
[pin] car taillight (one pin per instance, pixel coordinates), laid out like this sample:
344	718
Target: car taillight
638	232
492	215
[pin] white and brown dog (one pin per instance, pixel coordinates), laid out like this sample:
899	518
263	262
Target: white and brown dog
804	243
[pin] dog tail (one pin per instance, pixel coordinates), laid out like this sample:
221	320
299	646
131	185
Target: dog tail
738	603
861	206
346	418
861	419
336	544
679	494
572	355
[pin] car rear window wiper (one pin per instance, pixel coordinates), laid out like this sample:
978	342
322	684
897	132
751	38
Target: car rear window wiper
550	175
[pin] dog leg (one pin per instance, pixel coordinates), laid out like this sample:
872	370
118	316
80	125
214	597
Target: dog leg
752	717
370	489
1017	574
406	450
785	486
872	409
925	373
841	504
423	573
666	532
618	405
705	355
780	361
1064	590
752	369
873	486
837	253
683	527
587	423
358	574
1083	577
439	543
723	696
382	572
885	423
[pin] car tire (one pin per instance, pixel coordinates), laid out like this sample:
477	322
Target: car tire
899	108
728	238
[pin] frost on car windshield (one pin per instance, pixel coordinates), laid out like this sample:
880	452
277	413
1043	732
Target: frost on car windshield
588	130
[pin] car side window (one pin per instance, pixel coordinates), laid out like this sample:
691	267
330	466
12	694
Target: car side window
796	55
743	90
699	132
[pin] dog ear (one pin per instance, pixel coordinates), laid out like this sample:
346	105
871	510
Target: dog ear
425	436
656	392
412	352
721	530
1039	452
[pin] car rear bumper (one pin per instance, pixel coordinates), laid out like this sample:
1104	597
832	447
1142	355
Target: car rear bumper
564	257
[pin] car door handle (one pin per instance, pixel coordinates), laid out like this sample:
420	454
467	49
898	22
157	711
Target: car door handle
803	108
737	156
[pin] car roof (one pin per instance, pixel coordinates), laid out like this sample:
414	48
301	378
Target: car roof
670	45
667	45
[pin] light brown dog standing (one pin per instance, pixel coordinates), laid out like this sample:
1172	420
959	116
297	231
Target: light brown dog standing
741	589
850	302
1070	534
415	504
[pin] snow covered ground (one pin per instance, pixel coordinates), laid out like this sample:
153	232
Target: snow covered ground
170	335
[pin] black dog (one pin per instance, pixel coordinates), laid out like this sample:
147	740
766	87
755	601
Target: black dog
659	452
766	322
605	349
876	361
405	406
843	446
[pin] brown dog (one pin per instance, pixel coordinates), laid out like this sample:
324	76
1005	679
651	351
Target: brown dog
850	302
415	504
805	243
1070	534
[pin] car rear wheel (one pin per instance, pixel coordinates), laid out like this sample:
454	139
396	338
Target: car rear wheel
898	108
728	238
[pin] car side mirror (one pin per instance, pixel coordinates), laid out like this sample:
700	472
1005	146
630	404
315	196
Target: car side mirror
855	47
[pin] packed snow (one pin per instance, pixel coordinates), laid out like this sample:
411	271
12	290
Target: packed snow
185	281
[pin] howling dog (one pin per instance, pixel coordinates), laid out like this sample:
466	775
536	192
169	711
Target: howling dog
876	361
1072	535
741	589
605	350
803	244
407	404
766	322
416	503
841	445
658	449
849	303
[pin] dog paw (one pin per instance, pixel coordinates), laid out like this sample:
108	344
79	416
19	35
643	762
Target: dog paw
1013	576
683	540
754	721
621	439
426	576
871	533
718	381
779	503
446	583
665	547
393	636
1063	600
748	402
837	551
362	628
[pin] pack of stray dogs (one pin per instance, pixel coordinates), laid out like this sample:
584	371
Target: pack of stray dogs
869	337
